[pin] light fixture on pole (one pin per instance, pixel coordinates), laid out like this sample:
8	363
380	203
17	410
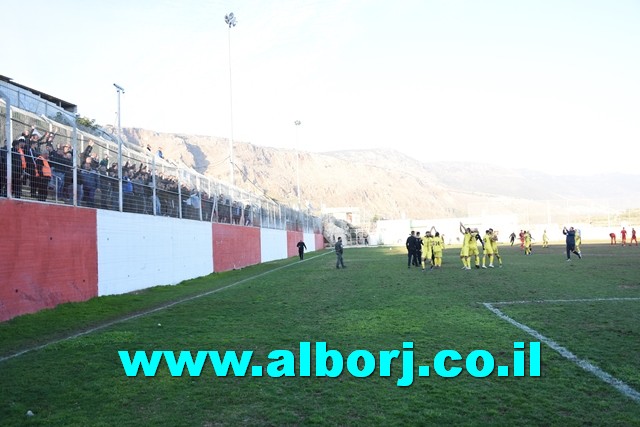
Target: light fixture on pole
298	123
231	21
119	89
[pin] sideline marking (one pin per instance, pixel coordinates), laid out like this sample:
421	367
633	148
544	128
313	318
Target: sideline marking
544	301
621	386
154	310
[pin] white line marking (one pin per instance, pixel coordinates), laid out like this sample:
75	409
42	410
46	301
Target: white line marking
562	301
589	367
145	313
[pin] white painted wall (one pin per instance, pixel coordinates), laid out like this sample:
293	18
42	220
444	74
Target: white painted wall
273	244
309	240
140	251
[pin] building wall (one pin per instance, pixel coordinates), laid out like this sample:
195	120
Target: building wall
235	246
293	237
48	256
52	254
139	251
273	244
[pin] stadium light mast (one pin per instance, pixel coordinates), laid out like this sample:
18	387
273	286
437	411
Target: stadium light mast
119	89
298	123
231	21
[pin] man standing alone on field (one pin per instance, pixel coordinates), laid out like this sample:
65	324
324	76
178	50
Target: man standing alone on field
339	249
301	248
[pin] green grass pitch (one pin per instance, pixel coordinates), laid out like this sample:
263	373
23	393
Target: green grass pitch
63	364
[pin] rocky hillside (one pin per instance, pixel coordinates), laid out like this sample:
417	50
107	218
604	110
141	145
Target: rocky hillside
382	183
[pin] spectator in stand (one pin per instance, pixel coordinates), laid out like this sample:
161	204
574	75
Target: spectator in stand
3	170
138	180
223	209
113	201
90	181
18	167
105	160
31	155
87	152
94	161
67	167
236	212
247	214
50	136
105	188
56	160
42	176
128	201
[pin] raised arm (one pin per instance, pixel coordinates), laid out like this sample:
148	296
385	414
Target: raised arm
463	229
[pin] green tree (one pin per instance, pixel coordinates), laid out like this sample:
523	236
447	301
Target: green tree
86	123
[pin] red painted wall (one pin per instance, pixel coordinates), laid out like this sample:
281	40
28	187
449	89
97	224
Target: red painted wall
234	246
48	256
319	242
293	237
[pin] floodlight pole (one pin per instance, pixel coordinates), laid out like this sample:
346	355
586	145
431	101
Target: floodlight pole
298	123
119	89
231	21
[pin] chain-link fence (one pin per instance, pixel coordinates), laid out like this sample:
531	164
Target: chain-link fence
48	157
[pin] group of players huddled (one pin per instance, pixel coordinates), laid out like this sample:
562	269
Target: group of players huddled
426	250
470	249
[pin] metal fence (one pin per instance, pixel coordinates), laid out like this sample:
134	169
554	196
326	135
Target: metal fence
85	172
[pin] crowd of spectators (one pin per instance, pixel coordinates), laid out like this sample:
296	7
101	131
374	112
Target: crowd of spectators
42	165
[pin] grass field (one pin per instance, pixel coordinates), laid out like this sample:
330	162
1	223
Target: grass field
63	364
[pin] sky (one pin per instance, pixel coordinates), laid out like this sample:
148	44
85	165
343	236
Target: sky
548	85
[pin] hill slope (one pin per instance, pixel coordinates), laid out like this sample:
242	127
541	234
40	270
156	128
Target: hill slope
382	183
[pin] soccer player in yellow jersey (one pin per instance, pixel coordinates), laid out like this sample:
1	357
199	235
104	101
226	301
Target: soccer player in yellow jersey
473	247
437	247
545	239
469	247
494	246
578	242
427	253
464	251
488	249
527	243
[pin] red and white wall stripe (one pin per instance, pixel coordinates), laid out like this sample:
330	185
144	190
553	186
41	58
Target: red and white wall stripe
53	254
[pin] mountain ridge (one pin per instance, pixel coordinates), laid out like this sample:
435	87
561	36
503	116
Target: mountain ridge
383	183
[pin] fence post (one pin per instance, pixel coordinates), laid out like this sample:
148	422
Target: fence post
8	140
